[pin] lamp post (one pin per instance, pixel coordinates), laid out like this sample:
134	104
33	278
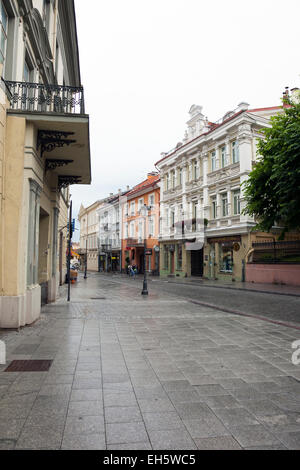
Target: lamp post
86	252
144	212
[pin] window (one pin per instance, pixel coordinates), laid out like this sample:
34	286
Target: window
166	257
132	229
226	258
195	169
140	231
173	179
179	256
172	218
235	152
126	231
151	226
224	205
223	156
167	181
126	209
3	33
151	200
236	202
214	207
132	208
141	203
180	176
213	161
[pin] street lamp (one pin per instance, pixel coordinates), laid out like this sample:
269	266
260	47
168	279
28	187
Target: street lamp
144	212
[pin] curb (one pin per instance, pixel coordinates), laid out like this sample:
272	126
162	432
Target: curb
243	314
193	283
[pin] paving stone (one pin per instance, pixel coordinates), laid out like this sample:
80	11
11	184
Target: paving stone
177	385
211	390
11	428
84	425
235	416
115	398
249	436
38	437
193	410
86	395
125	433
162	421
131	446
218	443
155	404
120	414
50	406
85	408
262	408
174	439
184	396
200	428
84	442
226	401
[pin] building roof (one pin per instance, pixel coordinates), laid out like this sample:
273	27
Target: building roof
148	183
215	126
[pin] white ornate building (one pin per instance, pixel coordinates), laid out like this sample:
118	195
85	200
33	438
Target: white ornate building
202	197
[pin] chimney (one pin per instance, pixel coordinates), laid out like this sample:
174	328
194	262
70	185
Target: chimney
127	188
243	106
119	191
111	194
152	173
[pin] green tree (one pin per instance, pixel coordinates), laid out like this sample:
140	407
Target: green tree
272	190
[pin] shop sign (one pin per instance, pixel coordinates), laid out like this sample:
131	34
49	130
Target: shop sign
227	240
148	252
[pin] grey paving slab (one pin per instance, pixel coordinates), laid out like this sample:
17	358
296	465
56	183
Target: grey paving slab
249	436
128	414
162	421
174	439
200	428
85	408
11	428
84	442
235	416
131	446
218	443
119	398
40	437
153	362
81	425
125	433
155	404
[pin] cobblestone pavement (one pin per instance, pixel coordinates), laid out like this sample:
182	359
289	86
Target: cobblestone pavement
149	373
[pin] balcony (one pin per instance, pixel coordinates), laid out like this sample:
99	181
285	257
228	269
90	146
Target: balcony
36	97
61	127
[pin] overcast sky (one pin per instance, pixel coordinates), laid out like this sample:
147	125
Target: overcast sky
144	63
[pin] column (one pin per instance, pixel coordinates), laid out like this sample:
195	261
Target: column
227	151
245	152
55	233
206	204
229	204
33	233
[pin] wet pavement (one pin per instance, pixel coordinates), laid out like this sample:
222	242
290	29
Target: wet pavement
159	372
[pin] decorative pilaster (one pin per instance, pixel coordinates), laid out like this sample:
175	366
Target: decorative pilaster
33	233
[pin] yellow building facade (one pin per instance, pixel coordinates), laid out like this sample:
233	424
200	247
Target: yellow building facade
44	147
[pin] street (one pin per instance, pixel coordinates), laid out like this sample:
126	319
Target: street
160	372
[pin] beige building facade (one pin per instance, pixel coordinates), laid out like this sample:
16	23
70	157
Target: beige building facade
44	148
89	235
203	230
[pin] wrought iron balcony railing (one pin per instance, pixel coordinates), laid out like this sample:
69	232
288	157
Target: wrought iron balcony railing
42	98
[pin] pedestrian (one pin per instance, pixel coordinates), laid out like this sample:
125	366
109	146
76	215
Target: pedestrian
131	271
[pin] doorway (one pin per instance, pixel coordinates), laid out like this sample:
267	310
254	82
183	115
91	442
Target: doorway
197	262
